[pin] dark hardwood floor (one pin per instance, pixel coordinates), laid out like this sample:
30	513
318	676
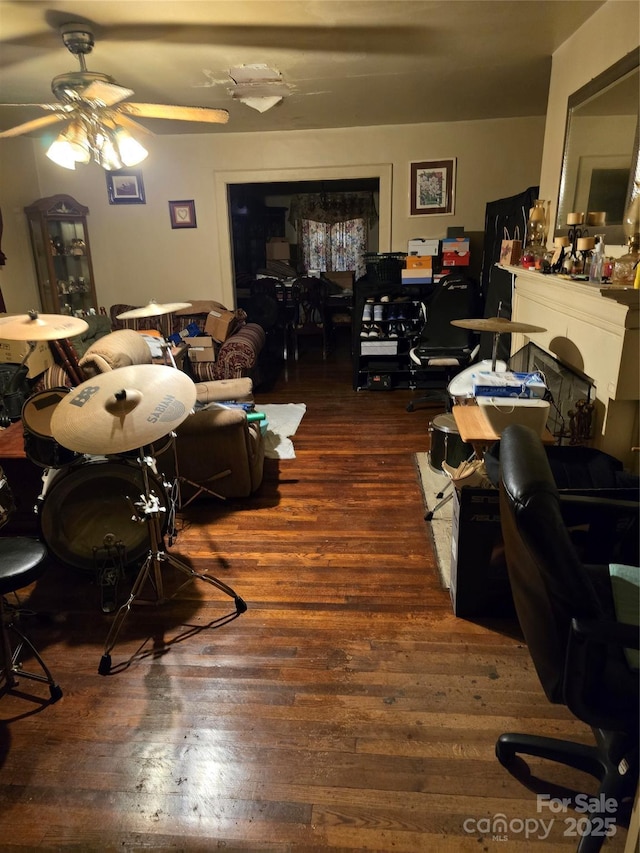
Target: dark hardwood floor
347	709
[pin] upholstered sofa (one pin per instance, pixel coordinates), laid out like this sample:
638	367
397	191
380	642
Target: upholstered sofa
235	357
216	447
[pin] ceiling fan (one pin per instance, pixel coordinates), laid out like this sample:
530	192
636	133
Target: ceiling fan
98	113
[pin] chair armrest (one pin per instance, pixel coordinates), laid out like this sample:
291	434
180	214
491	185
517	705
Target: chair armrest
600	505
599	687
606	632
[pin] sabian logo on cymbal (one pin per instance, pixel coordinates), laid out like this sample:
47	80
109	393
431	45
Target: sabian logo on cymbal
169	409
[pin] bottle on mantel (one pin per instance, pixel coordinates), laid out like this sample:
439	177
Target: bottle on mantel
597	261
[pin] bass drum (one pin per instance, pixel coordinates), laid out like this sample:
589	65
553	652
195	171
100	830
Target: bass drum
446	444
89	508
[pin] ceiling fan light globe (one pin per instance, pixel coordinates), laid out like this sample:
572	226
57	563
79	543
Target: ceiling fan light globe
61	153
131	151
76	138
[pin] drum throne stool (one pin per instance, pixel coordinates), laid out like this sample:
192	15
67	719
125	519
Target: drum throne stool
22	561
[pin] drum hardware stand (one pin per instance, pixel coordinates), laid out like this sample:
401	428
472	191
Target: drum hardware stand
151	569
197	486
200	488
109	569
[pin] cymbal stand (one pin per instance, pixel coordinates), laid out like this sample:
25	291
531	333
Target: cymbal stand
151	569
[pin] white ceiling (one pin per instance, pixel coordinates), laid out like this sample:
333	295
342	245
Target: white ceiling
356	63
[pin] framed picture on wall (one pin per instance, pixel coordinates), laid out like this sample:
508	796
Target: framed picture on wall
182	214
432	187
125	186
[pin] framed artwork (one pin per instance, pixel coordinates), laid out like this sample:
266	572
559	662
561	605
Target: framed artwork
125	186
182	214
432	185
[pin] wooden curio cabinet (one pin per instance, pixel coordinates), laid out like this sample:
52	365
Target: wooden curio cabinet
60	242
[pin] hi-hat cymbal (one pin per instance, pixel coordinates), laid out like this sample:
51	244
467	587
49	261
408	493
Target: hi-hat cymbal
41	327
152	309
496	324
123	409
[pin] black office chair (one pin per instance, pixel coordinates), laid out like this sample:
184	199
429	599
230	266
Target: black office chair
22	561
441	350
567	615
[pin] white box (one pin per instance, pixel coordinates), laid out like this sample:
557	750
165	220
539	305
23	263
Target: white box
500	412
379	347
424	246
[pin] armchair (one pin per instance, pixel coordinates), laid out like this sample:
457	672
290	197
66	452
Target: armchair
567	613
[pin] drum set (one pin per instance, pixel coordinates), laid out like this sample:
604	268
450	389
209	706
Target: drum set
103	505
446	445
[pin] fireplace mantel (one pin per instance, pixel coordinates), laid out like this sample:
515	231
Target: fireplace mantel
596	330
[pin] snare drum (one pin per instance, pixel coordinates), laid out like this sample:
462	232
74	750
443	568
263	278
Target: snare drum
91	507
39	443
446	444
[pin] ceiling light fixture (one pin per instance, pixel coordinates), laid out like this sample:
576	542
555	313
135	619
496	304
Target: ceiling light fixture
258	86
99	138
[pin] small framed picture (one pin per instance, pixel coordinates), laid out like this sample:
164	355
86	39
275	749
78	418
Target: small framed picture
183	214
125	186
432	187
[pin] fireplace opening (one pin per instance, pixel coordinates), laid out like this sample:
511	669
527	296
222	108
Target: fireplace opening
571	413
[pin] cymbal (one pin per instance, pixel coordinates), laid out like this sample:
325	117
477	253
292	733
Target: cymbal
123	409
152	309
496	324
40	327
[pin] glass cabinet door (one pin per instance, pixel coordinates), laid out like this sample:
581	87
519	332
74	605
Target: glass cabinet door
60	242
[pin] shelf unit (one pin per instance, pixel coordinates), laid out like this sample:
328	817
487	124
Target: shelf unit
383	362
62	256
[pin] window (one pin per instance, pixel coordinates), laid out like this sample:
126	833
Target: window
333	229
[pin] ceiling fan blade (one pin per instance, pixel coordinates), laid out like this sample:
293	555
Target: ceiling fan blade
129	123
175	113
107	93
34	124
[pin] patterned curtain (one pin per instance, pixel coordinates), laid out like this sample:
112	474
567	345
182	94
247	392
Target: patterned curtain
333	207
333	229
333	247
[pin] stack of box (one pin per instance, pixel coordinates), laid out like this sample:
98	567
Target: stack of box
201	348
423	254
455	252
424	246
419	270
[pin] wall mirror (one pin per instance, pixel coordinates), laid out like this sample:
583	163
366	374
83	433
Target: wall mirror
600	161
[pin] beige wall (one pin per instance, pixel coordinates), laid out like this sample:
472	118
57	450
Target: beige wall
611	33
136	254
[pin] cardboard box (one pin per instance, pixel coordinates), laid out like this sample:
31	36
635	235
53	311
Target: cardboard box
424	246
456	252
201	348
278	249
41	359
342	279
220	324
422	262
416	276
379	347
